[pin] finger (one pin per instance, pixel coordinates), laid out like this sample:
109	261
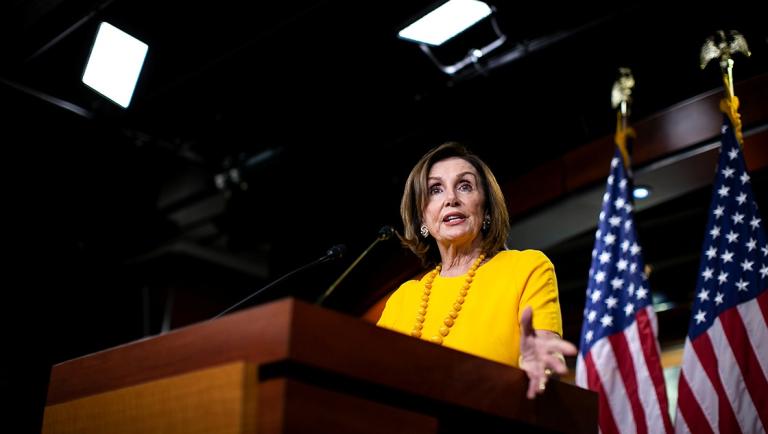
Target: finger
555	364
542	384
526	322
560	346
567	348
531	393
560	368
552	345
554	360
542	387
536	377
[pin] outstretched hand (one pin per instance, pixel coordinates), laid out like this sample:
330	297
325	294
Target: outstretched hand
541	354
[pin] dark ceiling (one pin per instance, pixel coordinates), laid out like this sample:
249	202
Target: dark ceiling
310	113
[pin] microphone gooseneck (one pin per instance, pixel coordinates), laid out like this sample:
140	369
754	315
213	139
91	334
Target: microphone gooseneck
384	233
333	253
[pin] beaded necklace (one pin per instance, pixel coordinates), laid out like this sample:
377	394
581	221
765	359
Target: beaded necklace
449	320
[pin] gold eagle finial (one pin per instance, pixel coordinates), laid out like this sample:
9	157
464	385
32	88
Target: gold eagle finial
723	45
622	88
621	97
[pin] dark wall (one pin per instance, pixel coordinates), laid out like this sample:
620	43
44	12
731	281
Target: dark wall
62	296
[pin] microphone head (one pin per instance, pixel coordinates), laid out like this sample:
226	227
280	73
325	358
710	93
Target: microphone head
336	251
386	232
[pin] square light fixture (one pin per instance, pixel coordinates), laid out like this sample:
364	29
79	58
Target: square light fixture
446	21
114	64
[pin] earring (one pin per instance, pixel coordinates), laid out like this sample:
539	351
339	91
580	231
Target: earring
486	222
424	231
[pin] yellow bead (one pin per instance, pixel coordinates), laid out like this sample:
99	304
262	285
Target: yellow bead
450	320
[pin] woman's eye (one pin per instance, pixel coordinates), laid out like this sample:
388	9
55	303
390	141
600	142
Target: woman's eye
435	189
465	186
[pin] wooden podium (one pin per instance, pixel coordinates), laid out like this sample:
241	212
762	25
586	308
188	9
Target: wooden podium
291	367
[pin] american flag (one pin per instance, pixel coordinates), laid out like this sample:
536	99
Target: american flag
619	353
722	386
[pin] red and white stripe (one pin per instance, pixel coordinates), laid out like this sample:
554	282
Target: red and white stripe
723	386
625	370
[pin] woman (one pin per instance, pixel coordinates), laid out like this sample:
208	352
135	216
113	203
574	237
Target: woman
478	298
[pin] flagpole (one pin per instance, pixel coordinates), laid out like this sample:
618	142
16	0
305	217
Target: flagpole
731	291
621	97
723	46
619	354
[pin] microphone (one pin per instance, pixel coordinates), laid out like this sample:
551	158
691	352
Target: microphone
333	253
385	233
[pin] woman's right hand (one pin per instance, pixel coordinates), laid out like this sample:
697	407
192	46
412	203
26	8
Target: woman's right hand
541	354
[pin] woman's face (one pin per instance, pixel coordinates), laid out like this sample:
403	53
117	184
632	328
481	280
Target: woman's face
455	204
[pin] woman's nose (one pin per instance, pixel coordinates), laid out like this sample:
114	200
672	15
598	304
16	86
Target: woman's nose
451	199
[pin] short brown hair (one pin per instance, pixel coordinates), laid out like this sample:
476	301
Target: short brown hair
415	197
